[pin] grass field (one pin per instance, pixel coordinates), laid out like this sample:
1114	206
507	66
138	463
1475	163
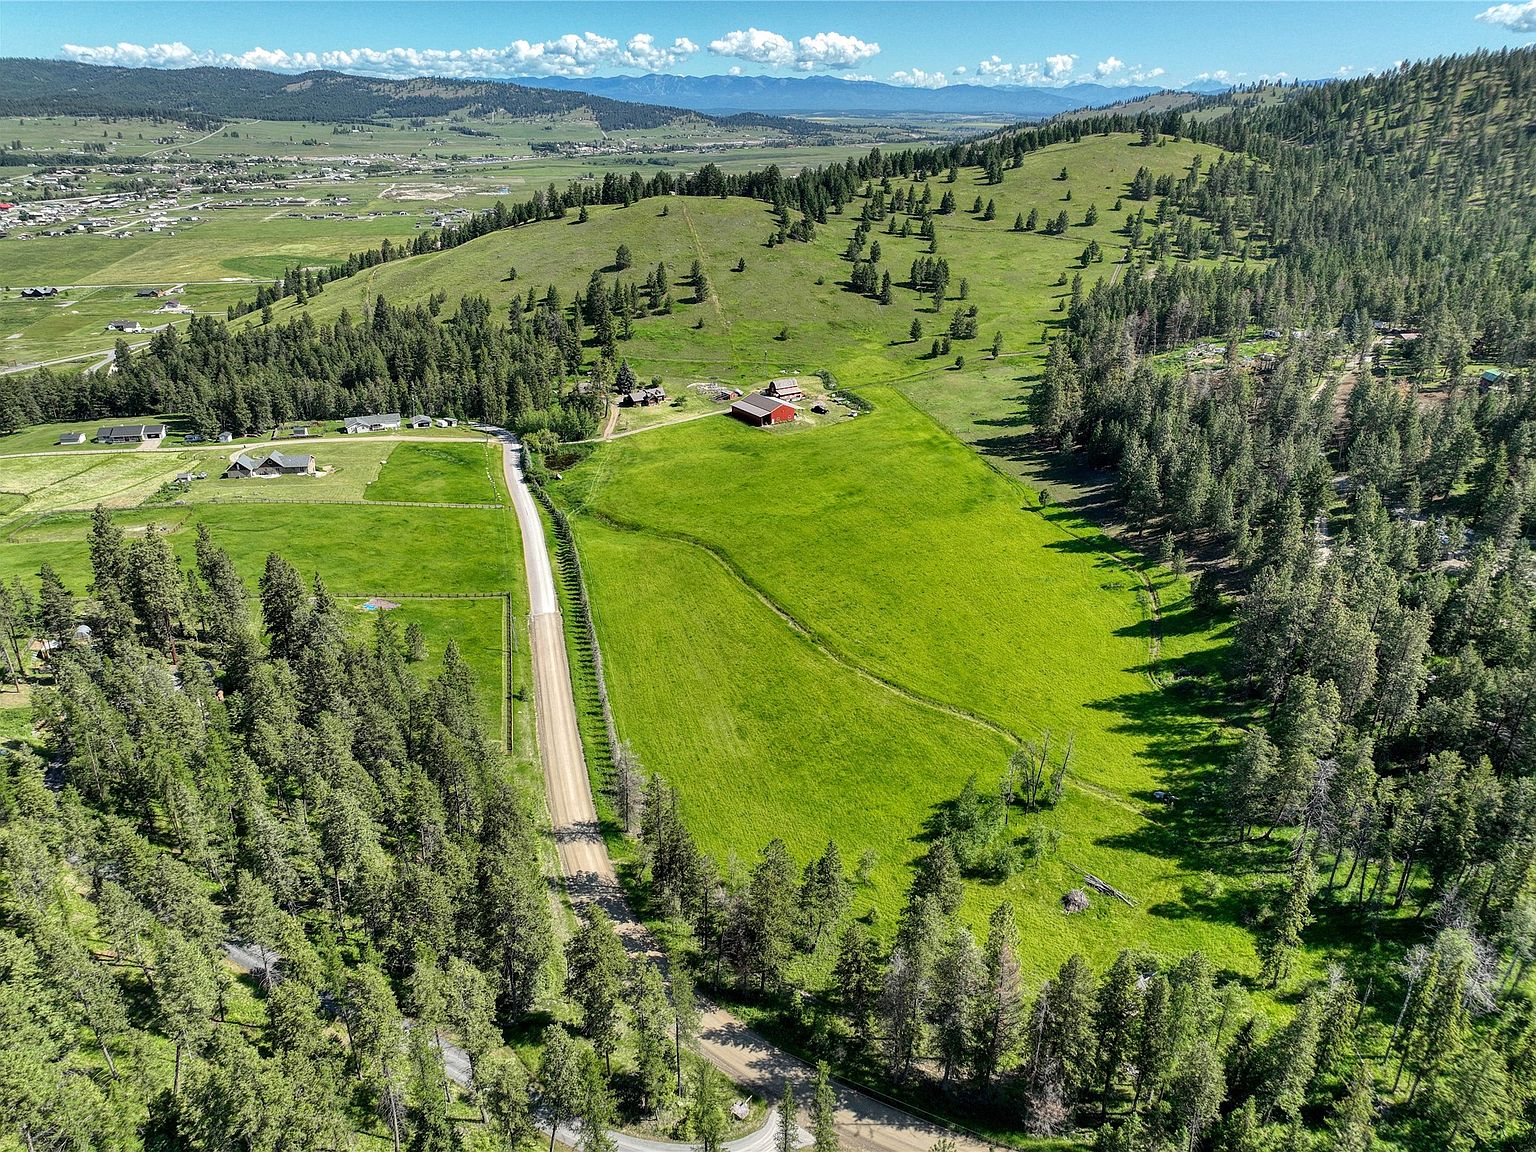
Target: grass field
442	473
928	586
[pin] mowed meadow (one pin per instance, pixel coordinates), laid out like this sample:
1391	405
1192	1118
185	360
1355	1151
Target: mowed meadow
820	633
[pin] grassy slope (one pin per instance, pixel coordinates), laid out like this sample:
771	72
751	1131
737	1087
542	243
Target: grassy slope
913	560
1012	275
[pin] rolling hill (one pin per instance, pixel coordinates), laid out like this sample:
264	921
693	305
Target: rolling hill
64	88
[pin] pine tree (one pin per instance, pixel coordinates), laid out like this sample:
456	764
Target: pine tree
595	965
824	1112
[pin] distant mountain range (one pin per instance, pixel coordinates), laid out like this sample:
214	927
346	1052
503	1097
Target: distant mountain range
827	95
59	87
65	88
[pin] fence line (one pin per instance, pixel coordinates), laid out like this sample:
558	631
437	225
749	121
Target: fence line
571	565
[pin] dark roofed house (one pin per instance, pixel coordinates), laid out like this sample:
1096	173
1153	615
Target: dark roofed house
760	411
129	433
125	326
149	293
421	421
381	422
273	463
38	293
643	397
785	388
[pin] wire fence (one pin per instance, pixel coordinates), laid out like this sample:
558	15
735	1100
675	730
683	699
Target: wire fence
590	650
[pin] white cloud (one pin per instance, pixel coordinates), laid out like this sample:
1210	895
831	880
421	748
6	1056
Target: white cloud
917	78
1515	17
755	45
1219	74
959	69
1056	70
574	54
1108	67
642	52
1145	75
834	50
176	55
823	50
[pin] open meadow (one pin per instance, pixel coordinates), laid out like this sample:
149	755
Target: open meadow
790	308
821	633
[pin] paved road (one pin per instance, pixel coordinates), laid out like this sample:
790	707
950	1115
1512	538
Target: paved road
751	1061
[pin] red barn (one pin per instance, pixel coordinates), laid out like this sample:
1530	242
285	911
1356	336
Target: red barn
759	410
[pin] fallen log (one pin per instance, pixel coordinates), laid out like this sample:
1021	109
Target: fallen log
1107	889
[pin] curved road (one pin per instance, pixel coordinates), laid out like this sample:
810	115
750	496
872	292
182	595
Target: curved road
863	1123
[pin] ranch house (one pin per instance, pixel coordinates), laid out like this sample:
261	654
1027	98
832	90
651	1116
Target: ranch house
130	433
761	411
381	422
273	463
125	326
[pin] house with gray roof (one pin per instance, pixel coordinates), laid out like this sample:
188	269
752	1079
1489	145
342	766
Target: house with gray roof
272	463
380	422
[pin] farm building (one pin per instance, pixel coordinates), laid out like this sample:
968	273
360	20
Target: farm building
1490	379
125	326
72	438
129	433
38	293
148	293
421	421
273	463
785	388
446	422
225	437
759	410
643	397
383	422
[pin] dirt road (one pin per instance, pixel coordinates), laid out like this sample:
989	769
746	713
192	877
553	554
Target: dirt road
751	1061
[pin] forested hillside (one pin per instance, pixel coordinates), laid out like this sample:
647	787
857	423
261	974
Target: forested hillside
63	88
223	776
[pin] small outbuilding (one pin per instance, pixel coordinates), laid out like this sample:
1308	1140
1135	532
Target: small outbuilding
72	438
421	421
785	388
761	411
225	437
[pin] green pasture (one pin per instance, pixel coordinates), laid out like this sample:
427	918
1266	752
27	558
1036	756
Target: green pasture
938	600
442	473
360	550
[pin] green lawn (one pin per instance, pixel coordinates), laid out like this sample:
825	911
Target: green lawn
359	550
908	558
442	473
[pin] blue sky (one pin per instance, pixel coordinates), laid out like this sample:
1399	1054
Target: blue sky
928	43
